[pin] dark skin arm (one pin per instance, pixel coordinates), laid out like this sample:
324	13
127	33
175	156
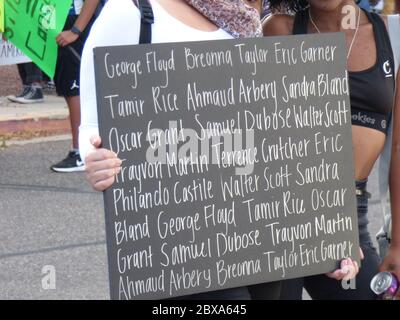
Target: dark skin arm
392	260
67	37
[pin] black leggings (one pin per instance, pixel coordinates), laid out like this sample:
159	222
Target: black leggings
321	287
29	73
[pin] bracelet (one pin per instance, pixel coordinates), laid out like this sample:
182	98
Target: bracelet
75	30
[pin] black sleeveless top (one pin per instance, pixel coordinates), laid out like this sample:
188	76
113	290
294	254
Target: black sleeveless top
371	90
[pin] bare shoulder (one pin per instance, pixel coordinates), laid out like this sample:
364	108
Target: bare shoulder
278	25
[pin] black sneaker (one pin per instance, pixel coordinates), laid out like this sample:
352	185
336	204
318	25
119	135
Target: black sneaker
34	95
24	91
71	163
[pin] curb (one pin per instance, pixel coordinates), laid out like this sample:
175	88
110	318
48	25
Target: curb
34	127
18	121
52	138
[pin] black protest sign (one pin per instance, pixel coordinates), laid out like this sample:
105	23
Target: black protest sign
237	163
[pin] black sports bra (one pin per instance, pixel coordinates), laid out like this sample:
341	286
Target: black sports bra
371	90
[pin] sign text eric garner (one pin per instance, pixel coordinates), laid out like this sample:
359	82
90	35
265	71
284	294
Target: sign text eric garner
237	163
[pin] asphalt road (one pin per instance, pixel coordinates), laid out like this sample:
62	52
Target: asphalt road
56	219
49	219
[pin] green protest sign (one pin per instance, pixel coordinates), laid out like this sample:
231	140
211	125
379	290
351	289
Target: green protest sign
1	15
33	25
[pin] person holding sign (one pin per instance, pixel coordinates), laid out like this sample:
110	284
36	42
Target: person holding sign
372	95
174	21
186	24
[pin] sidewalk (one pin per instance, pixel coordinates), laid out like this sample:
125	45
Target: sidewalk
24	121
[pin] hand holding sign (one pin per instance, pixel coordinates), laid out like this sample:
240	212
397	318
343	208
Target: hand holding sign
102	166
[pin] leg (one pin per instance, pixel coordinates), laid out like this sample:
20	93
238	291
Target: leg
265	291
73	161
67	85
66	79
34	80
292	289
22	72
33	74
75	118
31	77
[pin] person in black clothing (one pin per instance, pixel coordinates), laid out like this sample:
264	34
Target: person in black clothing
372	95
71	41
